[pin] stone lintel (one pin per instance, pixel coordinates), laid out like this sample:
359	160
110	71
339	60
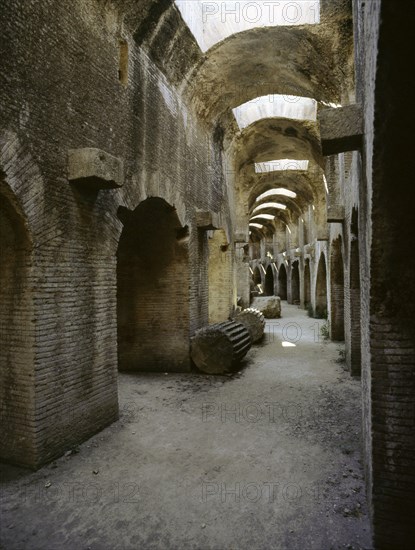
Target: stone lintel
93	168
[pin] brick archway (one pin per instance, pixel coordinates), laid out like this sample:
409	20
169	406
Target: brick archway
153	290
16	337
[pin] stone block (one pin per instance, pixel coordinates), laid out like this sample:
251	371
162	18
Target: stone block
341	129
335	214
94	168
207	220
270	306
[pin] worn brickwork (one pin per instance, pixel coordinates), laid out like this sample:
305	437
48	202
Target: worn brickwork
120	274
221	278
337	290
64	86
17	435
387	270
153	290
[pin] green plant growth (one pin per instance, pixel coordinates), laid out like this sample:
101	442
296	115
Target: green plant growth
325	331
318	313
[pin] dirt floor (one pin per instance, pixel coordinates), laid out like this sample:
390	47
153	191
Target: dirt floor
267	459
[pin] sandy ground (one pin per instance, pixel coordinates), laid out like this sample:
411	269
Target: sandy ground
267	459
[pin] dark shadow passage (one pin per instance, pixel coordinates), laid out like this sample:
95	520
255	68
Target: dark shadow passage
321	289
269	282
16	339
282	282
307	284
337	291
220	277
257	277
295	283
355	360
153	290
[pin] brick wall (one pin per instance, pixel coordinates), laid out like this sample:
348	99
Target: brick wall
221	283
17	405
385	87
153	291
337	290
61	89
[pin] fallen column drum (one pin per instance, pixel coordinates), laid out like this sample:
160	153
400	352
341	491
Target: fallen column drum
218	348
254	321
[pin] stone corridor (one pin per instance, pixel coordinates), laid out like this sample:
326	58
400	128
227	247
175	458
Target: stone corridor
269	458
166	168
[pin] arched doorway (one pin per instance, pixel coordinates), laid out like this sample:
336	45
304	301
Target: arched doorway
337	291
307	284
16	337
256	276
269	281
282	282
221	289
321	289
153	290
295	283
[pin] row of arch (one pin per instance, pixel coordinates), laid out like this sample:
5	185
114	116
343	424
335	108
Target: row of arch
335	296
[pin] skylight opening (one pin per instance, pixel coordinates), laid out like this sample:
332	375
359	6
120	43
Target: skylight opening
283	164
277	191
333	105
269	205
212	22
287	344
272	106
263	216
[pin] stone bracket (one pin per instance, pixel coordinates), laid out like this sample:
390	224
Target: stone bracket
207	220
93	168
341	129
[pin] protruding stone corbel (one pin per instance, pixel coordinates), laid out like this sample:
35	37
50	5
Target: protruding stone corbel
335	214
94	169
341	129
207	220
241	237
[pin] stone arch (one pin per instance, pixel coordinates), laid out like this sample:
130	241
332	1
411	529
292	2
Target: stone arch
153	290
17	336
282	74
295	283
307	284
321	289
337	291
278	138
282	282
269	281
221	298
